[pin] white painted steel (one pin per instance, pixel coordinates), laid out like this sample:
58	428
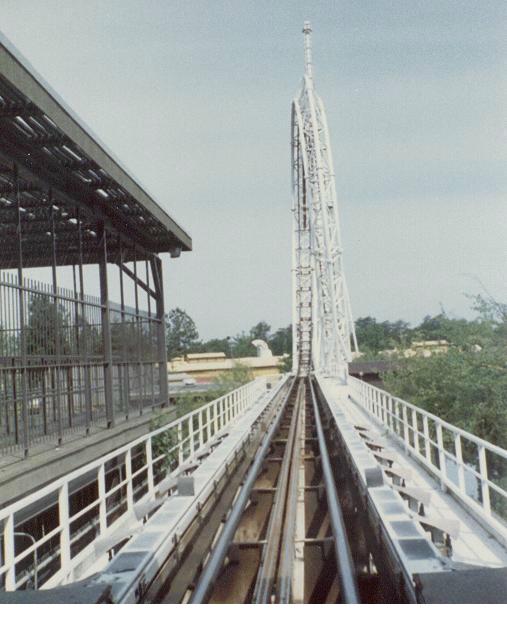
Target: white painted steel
440	447
139	561
192	433
322	320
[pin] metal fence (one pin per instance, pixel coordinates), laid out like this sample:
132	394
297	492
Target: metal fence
474	470
45	536
53	365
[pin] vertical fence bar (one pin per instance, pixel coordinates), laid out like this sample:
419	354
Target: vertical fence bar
138	337
129	479
415	430
179	432
150	336
149	465
101	482
22	331
63	512
156	268
441	457
124	336
459	462
57	331
483	470
9	553
406	427
427	444
106	330
215	416
84	331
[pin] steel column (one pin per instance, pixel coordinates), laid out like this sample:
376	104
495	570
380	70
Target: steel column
156	269
106	332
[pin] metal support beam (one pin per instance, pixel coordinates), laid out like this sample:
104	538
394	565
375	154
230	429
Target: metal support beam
106	332
156	271
21	303
138	281
57	327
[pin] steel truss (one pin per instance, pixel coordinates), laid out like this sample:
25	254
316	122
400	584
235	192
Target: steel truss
323	326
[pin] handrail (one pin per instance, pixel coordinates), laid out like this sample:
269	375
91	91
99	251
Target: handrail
192	431
427	437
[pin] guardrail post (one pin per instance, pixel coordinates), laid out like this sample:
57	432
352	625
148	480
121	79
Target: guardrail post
427	444
459	461
387	406
9	553
63	512
483	469
101	481
215	417
441	458
179	436
201	430
191	433
406	428
130	481
208	420
149	465
415	431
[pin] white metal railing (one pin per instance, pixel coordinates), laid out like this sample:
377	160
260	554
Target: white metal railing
473	469
121	479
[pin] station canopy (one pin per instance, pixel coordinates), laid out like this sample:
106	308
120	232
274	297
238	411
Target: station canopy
66	183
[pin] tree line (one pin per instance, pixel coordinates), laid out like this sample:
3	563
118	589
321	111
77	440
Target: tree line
183	338
466	386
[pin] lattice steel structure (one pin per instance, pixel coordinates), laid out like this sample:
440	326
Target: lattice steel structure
69	360
322	319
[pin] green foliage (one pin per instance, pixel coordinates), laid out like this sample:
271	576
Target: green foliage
374	336
467	389
46	327
213	345
286	363
242	345
188	402
232	379
181	333
467	386
281	341
164	442
183	337
260	331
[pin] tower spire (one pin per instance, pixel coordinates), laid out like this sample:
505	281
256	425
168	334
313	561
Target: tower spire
307	30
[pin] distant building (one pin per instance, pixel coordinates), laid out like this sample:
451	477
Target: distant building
205	367
419	348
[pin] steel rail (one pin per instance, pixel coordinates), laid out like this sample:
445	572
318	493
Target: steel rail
344	563
287	551
218	554
278	522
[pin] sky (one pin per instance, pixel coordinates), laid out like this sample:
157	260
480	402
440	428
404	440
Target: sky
194	98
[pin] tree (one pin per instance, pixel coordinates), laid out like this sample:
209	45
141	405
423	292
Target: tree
467	386
374	336
281	341
242	345
46	327
260	331
213	345
232	379
181	333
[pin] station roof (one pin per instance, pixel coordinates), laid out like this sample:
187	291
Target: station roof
64	172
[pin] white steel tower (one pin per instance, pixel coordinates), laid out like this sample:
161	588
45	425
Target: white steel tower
323	328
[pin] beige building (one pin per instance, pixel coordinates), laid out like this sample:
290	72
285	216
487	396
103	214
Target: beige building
204	368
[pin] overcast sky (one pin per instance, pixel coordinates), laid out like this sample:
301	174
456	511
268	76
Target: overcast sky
194	98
